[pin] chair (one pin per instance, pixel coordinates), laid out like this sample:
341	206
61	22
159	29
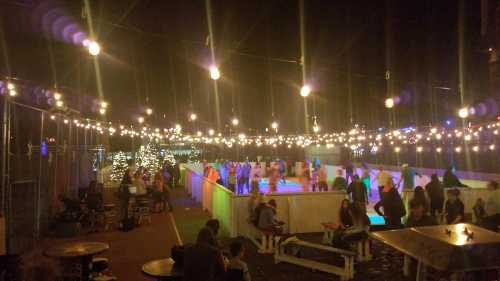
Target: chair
110	215
234	275
142	210
99	266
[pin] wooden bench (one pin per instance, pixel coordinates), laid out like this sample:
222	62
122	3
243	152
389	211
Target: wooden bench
264	240
362	246
346	272
364	250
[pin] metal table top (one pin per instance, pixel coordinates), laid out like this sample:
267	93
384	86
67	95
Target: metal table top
446	247
161	268
77	249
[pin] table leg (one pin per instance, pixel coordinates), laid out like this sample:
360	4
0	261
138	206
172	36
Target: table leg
421	272
85	262
406	265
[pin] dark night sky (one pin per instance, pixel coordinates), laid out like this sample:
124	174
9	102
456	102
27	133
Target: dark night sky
154	48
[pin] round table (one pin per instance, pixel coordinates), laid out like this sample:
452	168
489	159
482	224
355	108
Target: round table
163	269
82	250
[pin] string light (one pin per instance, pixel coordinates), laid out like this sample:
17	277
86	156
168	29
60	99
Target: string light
214	73
492	147
102	111
193	116
463	112
235	121
11	86
149	111
420	149
140	120
59	103
439	150
475	148
389	103
12	93
94	48
305	91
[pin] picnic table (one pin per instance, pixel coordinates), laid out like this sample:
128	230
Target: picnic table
457	249
83	251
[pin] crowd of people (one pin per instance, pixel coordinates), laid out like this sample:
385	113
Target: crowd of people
142	183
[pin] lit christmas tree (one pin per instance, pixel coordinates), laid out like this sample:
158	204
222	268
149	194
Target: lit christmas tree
148	157
119	166
194	155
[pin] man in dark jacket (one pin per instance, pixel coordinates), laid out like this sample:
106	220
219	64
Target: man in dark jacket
357	189
202	261
393	208
435	191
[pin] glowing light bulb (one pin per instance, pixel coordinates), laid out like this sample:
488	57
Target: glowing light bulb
59	103
94	48
235	121
463	112
104	104
193	116
52	117
420	149
492	147
389	103
397	149
102	111
149	111
12	93
214	73
305	91
475	148
10	86
57	96
140	119
316	128
211	132
439	150
274	125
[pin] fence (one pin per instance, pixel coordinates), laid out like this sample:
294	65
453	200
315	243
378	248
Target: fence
53	155
302	212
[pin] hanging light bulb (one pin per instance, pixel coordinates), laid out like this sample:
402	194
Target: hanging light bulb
193	116
214	73
235	121
389	103
305	91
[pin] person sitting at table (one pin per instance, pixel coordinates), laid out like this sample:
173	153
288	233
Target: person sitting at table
359	229
392	205
454	208
450	179
418	215
203	261
267	218
213	225
345	219
235	262
419	195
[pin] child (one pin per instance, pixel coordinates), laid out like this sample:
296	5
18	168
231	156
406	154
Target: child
454	210
235	262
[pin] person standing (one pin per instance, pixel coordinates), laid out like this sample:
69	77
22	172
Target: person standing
339	183
418	216
366	179
392	206
357	190
232	178
382	179
349	171
322	179
256	175
245	175
435	191
306	176
314	179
